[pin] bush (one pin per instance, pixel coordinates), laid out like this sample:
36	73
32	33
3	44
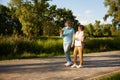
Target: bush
6	47
102	44
36	47
17	47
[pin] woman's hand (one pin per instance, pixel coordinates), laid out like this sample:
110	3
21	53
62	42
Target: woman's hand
74	37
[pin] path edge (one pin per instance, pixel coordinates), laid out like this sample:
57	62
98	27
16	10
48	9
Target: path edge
103	75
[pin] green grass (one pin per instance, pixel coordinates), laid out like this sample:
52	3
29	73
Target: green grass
21	47
112	77
102	44
12	48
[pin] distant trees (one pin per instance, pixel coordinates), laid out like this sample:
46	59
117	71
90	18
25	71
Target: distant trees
99	30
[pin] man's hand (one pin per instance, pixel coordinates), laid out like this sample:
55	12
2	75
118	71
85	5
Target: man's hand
72	45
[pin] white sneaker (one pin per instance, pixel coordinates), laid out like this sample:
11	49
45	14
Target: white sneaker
73	66
79	66
68	64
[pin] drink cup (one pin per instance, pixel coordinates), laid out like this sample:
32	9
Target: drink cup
61	31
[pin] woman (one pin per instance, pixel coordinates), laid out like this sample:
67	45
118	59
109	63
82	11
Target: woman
79	45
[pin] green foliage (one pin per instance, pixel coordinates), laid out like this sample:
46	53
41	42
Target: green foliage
107	29
12	47
89	30
100	30
20	47
115	76
8	26
113	11
102	44
38	17
117	33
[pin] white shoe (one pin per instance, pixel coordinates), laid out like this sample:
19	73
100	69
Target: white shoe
68	64
73	66
79	66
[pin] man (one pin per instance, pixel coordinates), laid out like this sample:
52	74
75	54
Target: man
67	34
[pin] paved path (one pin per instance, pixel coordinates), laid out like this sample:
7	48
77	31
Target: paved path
95	64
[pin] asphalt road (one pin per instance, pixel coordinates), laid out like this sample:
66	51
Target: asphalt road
95	64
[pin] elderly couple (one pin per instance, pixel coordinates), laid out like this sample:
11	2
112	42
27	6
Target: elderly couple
69	40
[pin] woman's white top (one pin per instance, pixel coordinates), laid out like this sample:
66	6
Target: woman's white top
80	38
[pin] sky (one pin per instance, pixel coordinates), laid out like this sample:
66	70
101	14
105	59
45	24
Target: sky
86	11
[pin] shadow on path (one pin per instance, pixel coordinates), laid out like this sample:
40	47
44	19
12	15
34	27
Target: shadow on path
102	63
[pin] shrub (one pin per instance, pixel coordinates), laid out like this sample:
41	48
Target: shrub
102	44
19	47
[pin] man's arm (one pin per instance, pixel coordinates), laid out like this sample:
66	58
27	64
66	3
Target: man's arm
62	33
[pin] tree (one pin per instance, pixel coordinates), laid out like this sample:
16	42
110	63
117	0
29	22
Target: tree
106	29
89	30
8	26
30	14
97	29
114	10
39	18
112	29
97	24
65	14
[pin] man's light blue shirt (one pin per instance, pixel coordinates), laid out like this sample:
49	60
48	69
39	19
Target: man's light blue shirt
67	35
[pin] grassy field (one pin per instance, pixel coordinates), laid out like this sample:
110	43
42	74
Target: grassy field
21	47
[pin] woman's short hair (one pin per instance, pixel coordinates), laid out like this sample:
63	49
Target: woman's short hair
81	27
